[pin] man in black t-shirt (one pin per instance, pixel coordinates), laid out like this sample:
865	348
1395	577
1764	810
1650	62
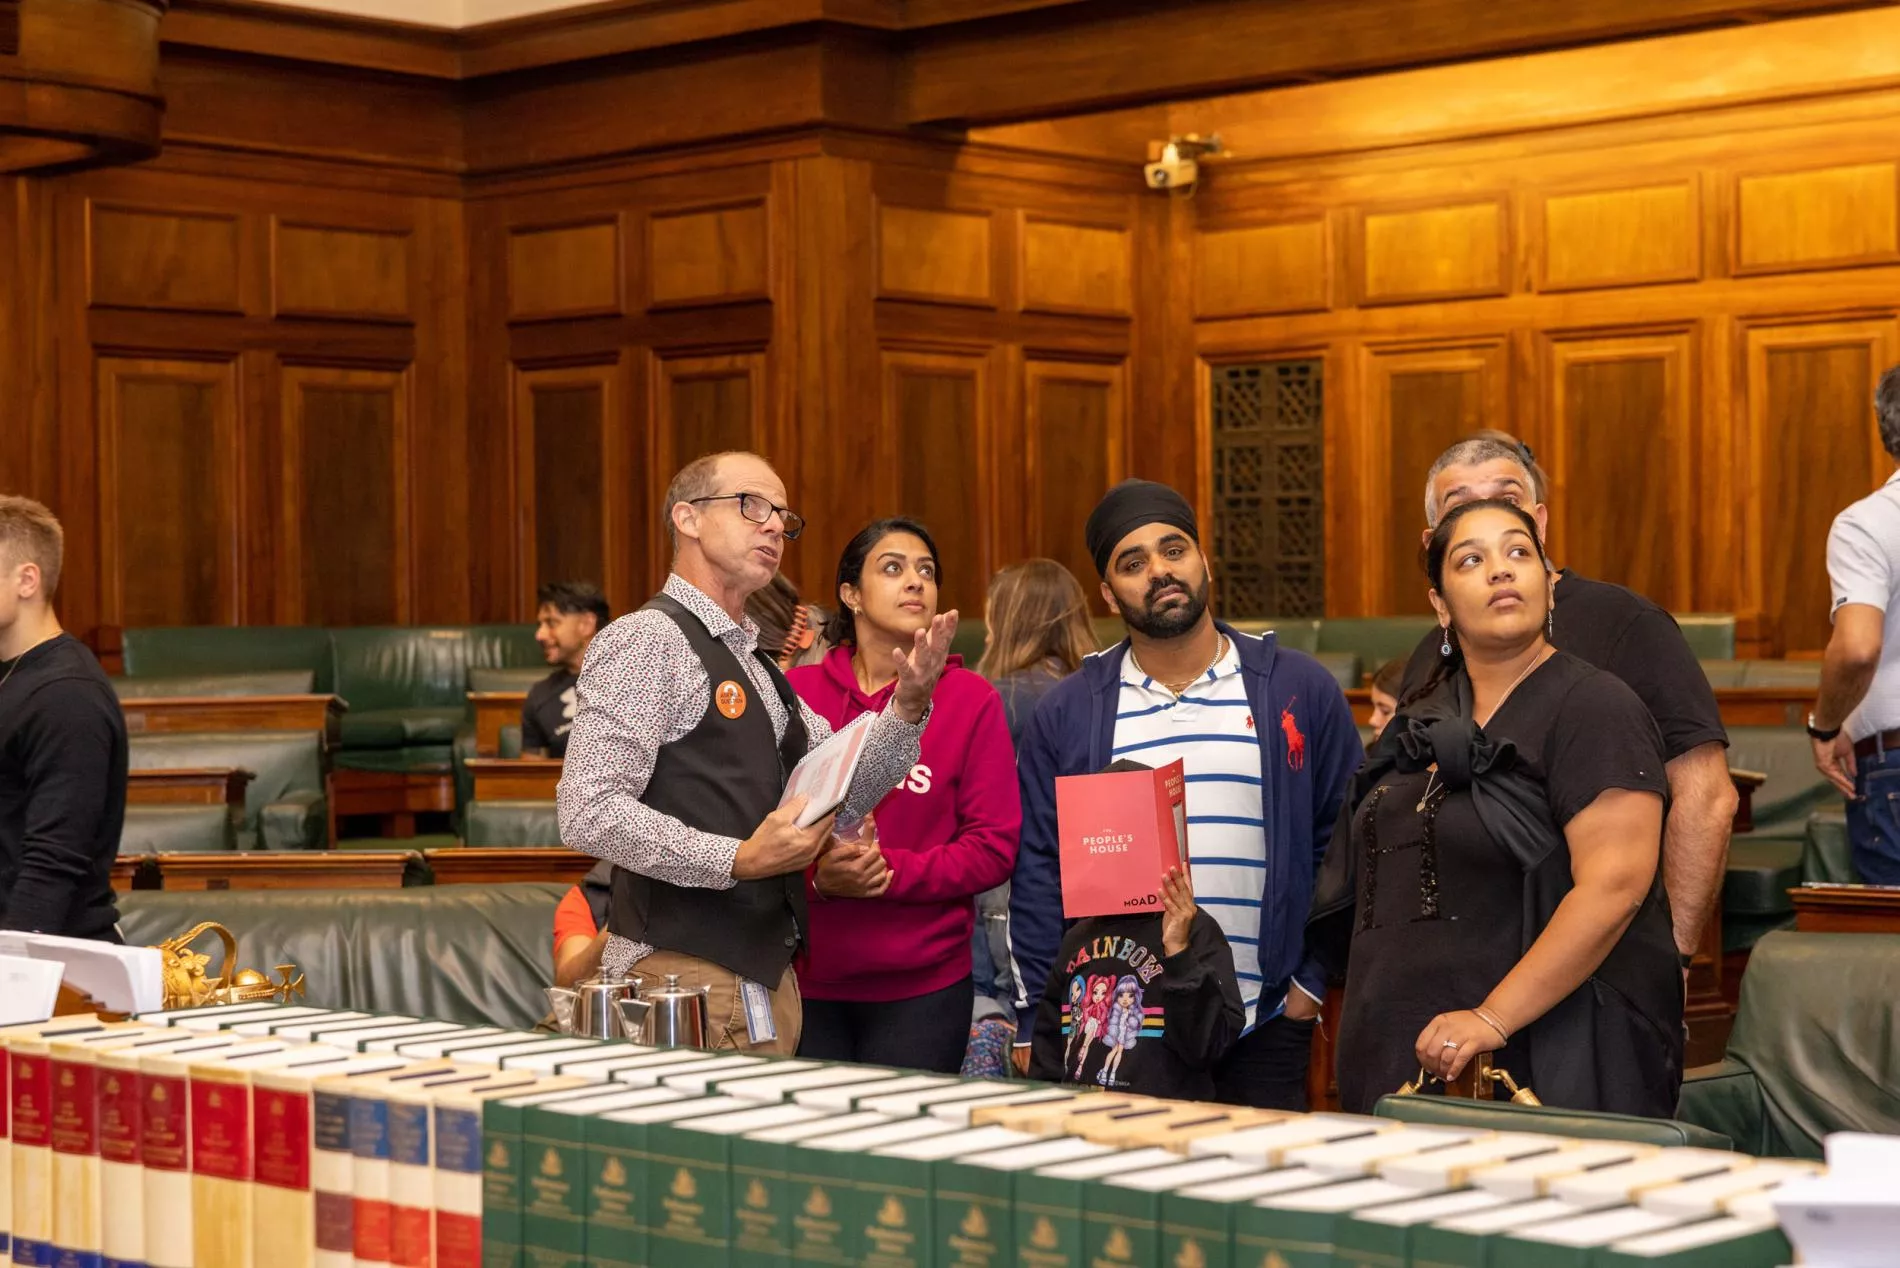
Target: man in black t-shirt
1621	632
567	616
62	748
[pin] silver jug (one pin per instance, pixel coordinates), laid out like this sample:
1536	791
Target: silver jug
672	1016
591	1008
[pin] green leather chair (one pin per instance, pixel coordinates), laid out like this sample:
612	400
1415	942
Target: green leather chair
1815	1048
1345	667
1794	789
510	678
407	688
177	830
284	805
1502	1116
480	954
1828	858
1375	639
521	823
1301	633
175	650
1711	635
263	682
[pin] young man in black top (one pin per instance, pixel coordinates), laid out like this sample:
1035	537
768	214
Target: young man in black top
568	615
62	748
1623	633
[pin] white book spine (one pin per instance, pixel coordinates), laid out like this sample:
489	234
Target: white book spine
411	1184
121	1168
369	1151
165	1151
332	1180
32	1096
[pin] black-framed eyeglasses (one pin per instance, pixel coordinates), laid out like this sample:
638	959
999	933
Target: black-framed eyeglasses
759	510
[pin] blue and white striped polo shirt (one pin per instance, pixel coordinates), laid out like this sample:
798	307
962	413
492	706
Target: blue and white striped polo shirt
1211	728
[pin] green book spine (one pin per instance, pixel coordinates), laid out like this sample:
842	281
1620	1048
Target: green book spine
1301	1239
1120	1226
1196	1233
970	1217
1446	1248
553	1190
1511	1252
821	1206
1766	1249
614	1237
1047	1222
1359	1244
762	1206
891	1212
501	1186
690	1191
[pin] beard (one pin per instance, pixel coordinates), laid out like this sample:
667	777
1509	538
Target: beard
1173	622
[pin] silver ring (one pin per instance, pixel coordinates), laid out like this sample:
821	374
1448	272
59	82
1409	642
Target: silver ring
1451	1043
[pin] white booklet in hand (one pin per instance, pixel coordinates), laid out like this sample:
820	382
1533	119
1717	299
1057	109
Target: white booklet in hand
824	775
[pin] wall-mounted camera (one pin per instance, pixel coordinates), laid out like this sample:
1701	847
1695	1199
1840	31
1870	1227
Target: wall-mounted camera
1177	166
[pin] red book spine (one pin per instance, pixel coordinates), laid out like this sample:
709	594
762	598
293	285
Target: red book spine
220	1131
281	1138
163	1144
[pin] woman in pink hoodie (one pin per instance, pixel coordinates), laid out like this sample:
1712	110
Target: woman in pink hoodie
887	980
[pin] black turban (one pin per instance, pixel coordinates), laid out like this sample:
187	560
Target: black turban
1134	504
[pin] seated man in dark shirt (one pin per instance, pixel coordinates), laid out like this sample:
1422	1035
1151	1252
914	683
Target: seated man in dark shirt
568	615
62	748
1620	631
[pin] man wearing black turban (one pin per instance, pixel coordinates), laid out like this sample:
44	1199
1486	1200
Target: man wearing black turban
1268	745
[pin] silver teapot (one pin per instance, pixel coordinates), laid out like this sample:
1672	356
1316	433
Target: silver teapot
670	1016
592	1006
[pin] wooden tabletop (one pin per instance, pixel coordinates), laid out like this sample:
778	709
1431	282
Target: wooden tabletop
200	786
515	778
169	714
1846	908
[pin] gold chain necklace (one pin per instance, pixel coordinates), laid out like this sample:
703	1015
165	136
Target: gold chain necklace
1432	774
1220	650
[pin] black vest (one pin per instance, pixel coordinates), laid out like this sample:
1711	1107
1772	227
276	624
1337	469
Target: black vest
723	776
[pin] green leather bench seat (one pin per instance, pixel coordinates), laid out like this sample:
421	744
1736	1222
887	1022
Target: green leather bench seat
1375	639
1502	1116
1710	635
401	728
284	806
1301	633
263	682
495	823
1815	1048
1828	857
427	759
514	678
1725	673
175	650
1794	789
177	830
1755	889
1343	666
407	688
467	953
1802	674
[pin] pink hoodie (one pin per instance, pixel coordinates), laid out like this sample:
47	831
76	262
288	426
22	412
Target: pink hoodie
948	833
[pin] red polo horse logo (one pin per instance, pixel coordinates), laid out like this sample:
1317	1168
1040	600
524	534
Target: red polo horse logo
1295	742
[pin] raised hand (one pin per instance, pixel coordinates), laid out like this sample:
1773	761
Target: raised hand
919	668
1177	911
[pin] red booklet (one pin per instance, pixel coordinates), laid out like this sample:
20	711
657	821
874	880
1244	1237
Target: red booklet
1120	830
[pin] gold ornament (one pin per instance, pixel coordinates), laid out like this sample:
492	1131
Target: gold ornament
188	984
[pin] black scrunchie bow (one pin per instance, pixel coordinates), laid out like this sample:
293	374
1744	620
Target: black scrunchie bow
1461	749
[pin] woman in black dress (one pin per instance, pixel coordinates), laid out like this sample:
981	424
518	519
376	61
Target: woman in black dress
1494	886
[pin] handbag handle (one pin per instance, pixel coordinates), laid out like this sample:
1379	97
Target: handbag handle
1474	1085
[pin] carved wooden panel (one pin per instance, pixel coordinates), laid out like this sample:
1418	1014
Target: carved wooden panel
1830	218
1075	268
168	491
1812	448
1260	269
142	257
1432	253
333	271
934	255
1077	425
702	405
707	255
936	416
346	535
1266	420
1619	237
1622	410
565	450
1419	402
564	271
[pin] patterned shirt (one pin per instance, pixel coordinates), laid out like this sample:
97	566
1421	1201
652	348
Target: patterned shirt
642	687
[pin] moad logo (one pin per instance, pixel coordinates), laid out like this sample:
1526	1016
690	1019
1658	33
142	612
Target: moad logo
1145	900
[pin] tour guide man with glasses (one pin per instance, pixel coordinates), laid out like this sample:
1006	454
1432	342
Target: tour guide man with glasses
684	735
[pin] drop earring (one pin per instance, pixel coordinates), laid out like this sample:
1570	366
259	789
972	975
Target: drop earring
1550	622
1444	648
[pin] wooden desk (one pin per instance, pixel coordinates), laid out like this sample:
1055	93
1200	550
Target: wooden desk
210	786
493	711
480	865
323	714
1846	908
515	778
1746	782
1740	706
271	869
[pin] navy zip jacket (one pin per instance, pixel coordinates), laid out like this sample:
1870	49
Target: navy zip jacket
1073	733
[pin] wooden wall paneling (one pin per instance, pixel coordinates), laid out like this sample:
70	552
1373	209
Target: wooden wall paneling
326	270
1811	449
565	270
1620	236
708	255
1072	267
1407	254
1257	269
347	533
1830	217
162	258
1076	419
169	515
441	433
1165	379
570	458
701	405
937	428
935	256
1621	408
1417	401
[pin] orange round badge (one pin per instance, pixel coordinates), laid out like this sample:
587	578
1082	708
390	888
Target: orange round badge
729	697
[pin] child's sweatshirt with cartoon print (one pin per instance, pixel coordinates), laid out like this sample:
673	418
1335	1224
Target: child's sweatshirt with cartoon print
1118	1013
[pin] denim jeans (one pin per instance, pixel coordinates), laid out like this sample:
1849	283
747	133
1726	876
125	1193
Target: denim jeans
1873	818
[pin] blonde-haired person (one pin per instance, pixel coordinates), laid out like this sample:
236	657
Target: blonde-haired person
1038	633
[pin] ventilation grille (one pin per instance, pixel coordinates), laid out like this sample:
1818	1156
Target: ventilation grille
1269	482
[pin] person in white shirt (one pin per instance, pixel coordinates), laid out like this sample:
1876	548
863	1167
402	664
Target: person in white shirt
1855	726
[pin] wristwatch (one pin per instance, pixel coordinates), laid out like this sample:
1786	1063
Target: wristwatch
1817	733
